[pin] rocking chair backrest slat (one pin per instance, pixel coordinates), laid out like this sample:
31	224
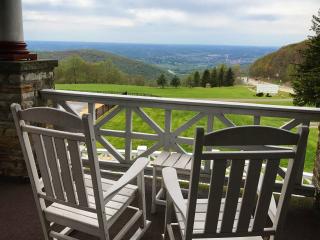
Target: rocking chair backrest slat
238	209
43	164
232	196
77	172
249	194
215	195
53	166
65	170
265	195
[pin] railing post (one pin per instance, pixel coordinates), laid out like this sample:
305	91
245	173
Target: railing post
128	134
92	111
167	129
210	122
256	120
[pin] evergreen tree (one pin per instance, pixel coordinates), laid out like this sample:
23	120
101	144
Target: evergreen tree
162	81
214	78
229	77
196	79
306	83
221	76
175	81
205	78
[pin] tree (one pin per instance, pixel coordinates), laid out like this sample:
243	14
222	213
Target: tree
205	78
221	76
73	67
189	81
196	79
214	78
175	81
162	81
306	83
229	77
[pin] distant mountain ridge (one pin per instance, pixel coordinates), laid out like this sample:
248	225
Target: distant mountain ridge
181	59
126	65
279	65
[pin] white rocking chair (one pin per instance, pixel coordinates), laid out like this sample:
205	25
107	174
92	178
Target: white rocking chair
236	211
64	194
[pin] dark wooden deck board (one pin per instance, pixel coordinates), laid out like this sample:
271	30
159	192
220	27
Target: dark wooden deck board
19	220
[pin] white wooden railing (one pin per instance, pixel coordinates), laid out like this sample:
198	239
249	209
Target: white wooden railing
166	137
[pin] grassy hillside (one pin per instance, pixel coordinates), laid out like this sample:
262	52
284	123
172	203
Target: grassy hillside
236	92
280	62
126	65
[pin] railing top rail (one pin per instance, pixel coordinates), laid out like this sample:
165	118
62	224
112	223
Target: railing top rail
303	113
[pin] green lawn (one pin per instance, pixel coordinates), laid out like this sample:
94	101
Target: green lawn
237	92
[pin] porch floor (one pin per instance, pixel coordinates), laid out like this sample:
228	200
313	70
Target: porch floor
19	220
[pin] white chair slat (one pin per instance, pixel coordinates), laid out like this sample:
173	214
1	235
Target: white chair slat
42	161
265	196
65	169
53	167
77	172
249	195
215	194
233	190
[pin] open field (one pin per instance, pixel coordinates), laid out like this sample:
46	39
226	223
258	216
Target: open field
226	93
241	92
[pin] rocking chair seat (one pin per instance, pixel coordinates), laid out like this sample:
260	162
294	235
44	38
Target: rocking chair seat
82	220
200	216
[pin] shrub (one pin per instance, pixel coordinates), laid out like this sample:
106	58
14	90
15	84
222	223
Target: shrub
260	94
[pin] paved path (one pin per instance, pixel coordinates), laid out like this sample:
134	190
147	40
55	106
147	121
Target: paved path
251	100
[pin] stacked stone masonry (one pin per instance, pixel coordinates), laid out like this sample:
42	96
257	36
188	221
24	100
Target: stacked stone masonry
20	82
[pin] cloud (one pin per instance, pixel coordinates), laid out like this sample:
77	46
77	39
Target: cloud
272	22
85	21
73	3
145	15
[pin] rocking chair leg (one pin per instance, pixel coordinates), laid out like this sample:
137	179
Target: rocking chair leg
142	199
154	191
168	216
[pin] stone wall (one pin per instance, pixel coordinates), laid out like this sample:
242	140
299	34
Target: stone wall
20	82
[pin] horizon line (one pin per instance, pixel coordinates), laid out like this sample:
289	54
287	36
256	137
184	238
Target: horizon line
164	44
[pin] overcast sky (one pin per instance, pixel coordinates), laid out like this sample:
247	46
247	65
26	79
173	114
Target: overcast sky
226	22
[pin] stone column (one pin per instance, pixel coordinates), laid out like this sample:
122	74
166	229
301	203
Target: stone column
20	82
12	45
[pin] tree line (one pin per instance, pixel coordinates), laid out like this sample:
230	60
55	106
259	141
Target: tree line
75	70
174	82
216	77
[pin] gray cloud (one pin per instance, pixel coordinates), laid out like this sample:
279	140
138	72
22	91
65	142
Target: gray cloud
270	22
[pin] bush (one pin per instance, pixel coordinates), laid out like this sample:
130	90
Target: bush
268	95
260	94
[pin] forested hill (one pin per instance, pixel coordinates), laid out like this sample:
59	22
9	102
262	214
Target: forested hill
128	66
280	64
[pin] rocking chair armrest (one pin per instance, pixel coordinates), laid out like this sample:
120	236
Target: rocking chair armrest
137	168
172	186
